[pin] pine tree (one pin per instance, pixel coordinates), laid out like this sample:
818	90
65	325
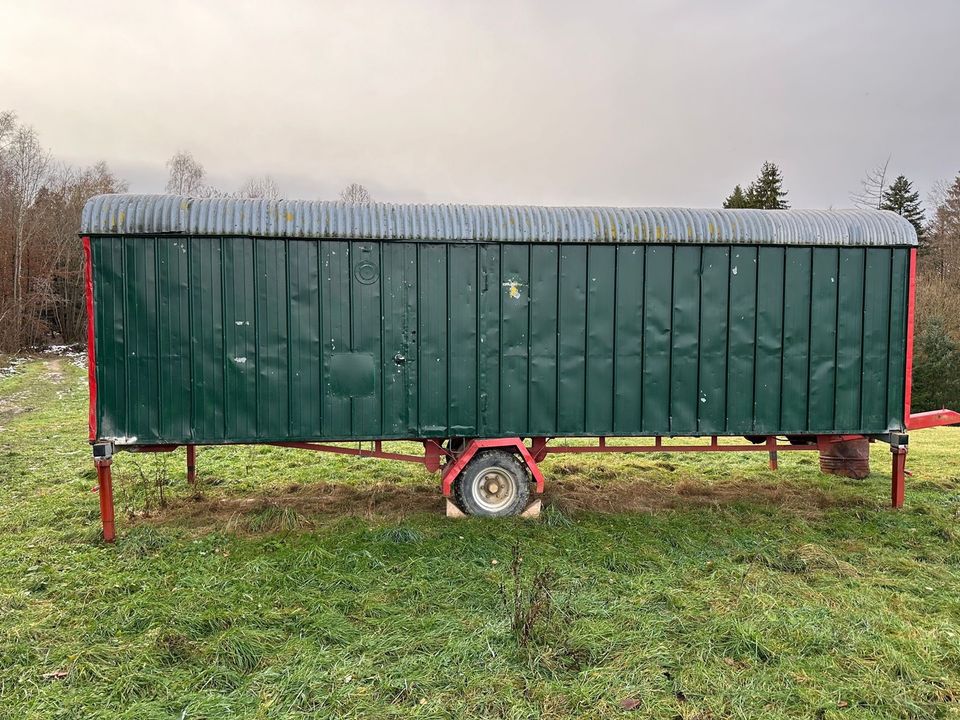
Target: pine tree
902	199
936	383
737	199
766	192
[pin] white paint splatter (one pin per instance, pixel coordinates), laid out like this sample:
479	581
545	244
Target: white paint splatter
513	288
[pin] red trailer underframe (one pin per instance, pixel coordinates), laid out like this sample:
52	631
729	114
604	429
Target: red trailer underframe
451	463
436	456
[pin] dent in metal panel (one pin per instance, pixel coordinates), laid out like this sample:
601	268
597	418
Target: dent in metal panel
544	276
571	340
399	362
110	338
240	346
685	340
849	339
432	340
143	393
365	272
628	339
770	347
742	340
173	331
823	340
305	393
207	358
601	303
270	331
899	282
462	339
488	330
658	314
714	306
876	329
796	340
335	312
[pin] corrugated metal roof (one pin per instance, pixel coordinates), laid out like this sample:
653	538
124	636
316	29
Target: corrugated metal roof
163	214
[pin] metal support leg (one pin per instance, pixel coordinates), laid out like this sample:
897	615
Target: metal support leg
897	476
773	459
191	464
105	490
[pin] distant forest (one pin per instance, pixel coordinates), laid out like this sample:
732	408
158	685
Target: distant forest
41	259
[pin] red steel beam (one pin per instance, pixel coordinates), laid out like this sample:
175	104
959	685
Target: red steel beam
911	301
377	452
91	348
933	418
660	447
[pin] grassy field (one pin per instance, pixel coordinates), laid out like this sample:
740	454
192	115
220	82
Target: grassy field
295	585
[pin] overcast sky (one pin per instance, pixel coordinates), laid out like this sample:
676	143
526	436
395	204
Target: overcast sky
653	102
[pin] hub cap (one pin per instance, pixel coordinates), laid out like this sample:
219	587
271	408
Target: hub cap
494	489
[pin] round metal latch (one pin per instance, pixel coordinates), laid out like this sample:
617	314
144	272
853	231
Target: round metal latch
366	272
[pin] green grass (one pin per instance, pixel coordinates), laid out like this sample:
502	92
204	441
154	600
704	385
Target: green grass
708	587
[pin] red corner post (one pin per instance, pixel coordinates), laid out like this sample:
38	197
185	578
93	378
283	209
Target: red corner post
898	475
898	450
103	459
911	301
105	490
91	346
191	464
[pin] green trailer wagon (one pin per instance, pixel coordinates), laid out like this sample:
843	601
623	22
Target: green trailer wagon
491	334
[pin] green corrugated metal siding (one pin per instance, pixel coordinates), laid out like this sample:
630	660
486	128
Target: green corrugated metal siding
209	339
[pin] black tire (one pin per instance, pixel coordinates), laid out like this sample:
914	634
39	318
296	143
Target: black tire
493	484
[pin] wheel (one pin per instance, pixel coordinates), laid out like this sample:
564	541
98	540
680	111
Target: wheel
493	484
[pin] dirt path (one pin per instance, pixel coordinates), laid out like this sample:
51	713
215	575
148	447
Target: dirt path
14	403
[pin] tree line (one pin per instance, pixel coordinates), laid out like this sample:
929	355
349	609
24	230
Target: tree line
42	275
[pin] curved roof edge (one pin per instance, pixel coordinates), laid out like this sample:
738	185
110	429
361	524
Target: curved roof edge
174	214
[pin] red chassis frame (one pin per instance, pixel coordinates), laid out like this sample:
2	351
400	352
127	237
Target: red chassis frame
452	462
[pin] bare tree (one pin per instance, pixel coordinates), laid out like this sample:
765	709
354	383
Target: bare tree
59	261
41	262
186	175
24	166
8	123
872	186
355	193
263	186
937	195
942	249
